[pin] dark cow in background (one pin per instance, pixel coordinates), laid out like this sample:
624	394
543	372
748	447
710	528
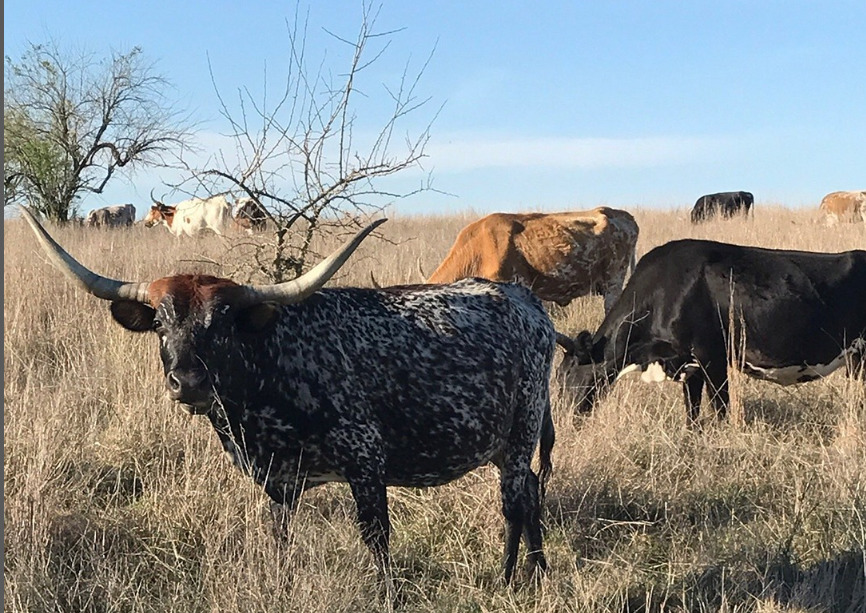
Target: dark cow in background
117	216
411	386
801	316
726	204
250	215
559	256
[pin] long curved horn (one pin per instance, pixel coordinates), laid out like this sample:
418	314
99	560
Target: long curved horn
296	290
101	287
155	201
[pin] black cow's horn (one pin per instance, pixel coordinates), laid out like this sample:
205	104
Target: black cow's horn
101	287
296	290
565	342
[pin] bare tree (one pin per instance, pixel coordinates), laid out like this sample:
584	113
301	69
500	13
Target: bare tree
299	158
78	119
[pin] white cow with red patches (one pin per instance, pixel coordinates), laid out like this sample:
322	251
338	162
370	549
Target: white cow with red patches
192	216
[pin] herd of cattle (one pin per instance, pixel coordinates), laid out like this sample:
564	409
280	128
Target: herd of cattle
416	385
189	217
216	213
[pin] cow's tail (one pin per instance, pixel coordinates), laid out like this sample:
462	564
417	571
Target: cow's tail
548	437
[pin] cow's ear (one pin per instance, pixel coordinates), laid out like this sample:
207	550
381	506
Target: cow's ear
133	316
257	318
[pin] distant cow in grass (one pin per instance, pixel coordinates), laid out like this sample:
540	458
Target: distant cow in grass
192	216
724	204
117	216
559	256
844	207
250	215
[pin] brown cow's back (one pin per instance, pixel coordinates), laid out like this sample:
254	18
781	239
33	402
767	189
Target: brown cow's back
844	206
560	256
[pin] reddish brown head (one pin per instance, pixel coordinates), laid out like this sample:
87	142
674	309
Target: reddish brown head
159	213
191	311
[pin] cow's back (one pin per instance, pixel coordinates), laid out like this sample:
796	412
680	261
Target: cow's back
576	253
484	248
817	297
844	206
560	256
197	214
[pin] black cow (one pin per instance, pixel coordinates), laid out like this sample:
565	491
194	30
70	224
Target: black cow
801	315
726	204
411	386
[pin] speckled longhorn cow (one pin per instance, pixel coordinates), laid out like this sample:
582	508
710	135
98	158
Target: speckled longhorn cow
798	316
559	256
410	386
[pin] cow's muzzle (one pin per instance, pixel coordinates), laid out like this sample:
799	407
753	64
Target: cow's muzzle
190	387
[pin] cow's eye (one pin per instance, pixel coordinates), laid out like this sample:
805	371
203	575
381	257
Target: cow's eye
157	324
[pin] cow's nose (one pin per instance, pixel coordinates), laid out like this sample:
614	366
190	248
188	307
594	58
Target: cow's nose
187	386
173	383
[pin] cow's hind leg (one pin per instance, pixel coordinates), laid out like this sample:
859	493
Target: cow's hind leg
717	388
513	478
532	535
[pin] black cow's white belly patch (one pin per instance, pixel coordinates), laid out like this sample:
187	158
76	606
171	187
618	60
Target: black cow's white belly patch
800	373
655	372
790	375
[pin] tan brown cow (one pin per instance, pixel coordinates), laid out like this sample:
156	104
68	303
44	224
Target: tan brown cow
843	206
560	256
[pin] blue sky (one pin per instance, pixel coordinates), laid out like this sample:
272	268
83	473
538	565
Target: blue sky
546	105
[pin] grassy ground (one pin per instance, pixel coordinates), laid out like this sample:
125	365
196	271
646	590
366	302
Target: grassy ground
115	500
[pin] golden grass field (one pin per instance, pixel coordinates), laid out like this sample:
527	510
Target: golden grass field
116	500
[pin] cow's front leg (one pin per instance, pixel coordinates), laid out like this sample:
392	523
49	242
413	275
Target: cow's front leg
358	452
371	500
284	502
692	392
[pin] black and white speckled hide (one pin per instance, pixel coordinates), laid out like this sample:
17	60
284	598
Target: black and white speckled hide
410	386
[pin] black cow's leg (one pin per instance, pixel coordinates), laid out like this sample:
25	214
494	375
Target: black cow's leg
532	526
692	391
284	502
717	388
856	366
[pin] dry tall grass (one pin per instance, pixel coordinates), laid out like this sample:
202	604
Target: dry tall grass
117	501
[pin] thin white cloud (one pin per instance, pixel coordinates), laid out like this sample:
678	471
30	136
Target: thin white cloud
467	153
